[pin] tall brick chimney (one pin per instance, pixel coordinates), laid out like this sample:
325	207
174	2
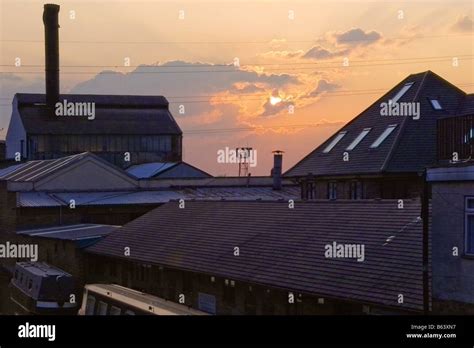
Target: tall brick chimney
51	46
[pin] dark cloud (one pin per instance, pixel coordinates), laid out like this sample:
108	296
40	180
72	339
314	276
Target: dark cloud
319	52
323	86
180	78
357	36
463	23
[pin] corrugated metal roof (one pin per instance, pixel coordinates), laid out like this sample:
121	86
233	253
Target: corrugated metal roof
71	232
43	199
35	170
5	171
38	199
285	248
149	170
87	198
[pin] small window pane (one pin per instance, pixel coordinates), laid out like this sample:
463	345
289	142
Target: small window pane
359	138
90	305
470	203
436	105
333	143
102	310
400	93
383	136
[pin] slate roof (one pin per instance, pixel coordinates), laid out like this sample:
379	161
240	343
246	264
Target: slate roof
114	114
285	248
467	106
408	149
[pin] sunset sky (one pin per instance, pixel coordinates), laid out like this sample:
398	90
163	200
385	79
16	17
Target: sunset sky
290	53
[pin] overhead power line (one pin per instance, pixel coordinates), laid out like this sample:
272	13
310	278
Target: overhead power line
203	65
234	70
249	42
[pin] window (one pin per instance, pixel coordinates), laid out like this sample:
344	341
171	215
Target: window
165	143
435	104
469	233
383	136
401	93
90	305
332	190
356	190
333	143
229	293
359	138
102	308
115	310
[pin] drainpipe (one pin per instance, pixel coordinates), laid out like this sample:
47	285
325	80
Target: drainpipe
425	216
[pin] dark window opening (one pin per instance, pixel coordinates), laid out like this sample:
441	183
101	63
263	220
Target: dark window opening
332	190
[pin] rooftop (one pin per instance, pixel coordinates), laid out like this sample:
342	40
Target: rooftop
114	114
52	199
379	143
83	234
285	248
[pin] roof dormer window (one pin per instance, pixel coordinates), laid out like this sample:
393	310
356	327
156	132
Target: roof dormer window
401	92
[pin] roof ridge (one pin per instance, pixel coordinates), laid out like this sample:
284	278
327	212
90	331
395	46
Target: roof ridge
397	140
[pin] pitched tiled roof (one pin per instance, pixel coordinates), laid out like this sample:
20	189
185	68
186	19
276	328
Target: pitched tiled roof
409	148
285	248
114	114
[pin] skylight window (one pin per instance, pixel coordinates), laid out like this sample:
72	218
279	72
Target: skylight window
383	136
401	92
435	104
333	143
359	138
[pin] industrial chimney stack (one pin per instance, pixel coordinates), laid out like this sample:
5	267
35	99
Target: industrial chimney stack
277	169
51	46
